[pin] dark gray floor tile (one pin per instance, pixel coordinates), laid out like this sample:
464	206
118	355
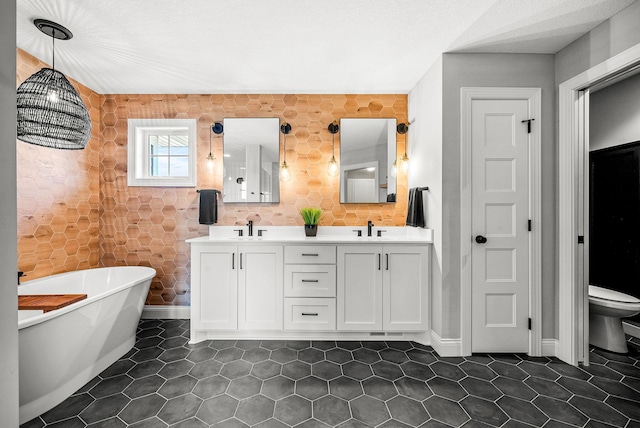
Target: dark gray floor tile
120	367
616	388
228	355
278	387
349	345
144	386
567	370
508	370
480	388
33	423
357	370
629	408
312	387
256	355
175	369
353	423
394	423
153	422
201	354
68	423
87	386
104	408
484	359
364	355
211	386
177	386
142	408
447	370
548	388
235	369
522	411
560	411
326	370
507	358
538	370
375	345
484	411
255	409
145	368
369	410
514	388
625	369
293	410
174	354
417	370
446	411
408	411
602	371
598	411
345	388
582	388
222	344
387	370
217	409
271	423
421	356
393	356
155	331
284	355
323	345
205	369
173	342
296	370
413	388
400	345
272	345
266	369
180	408
479	371
247	345
338	355
108	423
244	387
311	355
110	386
331	410
70	407
298	345
447	388
380	388
312	423
190	423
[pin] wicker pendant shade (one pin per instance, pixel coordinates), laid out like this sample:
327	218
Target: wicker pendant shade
50	111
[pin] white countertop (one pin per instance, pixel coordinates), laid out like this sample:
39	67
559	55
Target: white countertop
326	235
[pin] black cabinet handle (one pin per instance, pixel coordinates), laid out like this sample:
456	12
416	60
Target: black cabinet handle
309	280
310	254
233	260
240	260
387	256
481	239
379	261
310	314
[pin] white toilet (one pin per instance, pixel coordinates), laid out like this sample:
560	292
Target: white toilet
606	310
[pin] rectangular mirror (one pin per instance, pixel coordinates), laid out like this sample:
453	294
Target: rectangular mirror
251	160
367	153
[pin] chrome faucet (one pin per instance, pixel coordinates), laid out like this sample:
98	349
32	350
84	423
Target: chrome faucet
250	224
369	227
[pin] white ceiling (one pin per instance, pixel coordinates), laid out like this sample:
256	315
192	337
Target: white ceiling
290	46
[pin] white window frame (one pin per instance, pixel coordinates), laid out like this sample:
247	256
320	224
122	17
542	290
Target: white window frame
138	156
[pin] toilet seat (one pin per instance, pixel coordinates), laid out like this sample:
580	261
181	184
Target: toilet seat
612	298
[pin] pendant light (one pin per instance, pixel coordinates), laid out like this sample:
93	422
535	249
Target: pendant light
403	128
50	111
215	128
285	174
333	164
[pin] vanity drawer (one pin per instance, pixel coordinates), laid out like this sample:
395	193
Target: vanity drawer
310	280
310	254
309	314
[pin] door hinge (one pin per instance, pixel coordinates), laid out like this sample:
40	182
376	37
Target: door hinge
529	325
529	225
528	121
580	239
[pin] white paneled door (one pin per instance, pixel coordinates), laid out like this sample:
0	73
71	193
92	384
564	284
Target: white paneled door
500	225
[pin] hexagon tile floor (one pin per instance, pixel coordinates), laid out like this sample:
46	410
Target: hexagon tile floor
164	382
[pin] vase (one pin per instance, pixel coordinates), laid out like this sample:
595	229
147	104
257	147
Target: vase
310	229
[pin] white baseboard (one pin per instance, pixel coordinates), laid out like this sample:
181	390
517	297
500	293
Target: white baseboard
631	329
446	347
549	347
166	312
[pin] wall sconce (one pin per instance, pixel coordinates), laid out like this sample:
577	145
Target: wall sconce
50	111
215	128
285	174
403	128
333	164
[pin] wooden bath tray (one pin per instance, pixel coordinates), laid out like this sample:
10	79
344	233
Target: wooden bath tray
47	302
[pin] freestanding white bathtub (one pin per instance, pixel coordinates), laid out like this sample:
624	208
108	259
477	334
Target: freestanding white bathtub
61	350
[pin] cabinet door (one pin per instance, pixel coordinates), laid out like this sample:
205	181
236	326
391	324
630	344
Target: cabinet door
260	291
359	287
214	288
405	288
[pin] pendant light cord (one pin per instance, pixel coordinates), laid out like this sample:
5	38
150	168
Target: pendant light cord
53	65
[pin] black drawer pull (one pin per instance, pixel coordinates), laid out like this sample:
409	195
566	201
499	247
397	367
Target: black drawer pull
310	314
309	280
310	254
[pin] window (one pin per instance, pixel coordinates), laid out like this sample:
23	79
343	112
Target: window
162	152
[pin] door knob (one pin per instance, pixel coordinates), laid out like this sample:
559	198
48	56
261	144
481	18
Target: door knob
481	239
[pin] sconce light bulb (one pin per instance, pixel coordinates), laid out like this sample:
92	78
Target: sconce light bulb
405	163
285	174
394	169
210	162
333	167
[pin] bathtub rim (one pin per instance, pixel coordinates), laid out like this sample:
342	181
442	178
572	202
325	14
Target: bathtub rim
37	319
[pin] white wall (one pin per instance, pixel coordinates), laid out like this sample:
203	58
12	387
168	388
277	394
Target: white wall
615	114
8	220
425	157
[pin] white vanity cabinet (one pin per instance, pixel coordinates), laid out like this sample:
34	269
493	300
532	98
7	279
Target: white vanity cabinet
383	288
236	287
